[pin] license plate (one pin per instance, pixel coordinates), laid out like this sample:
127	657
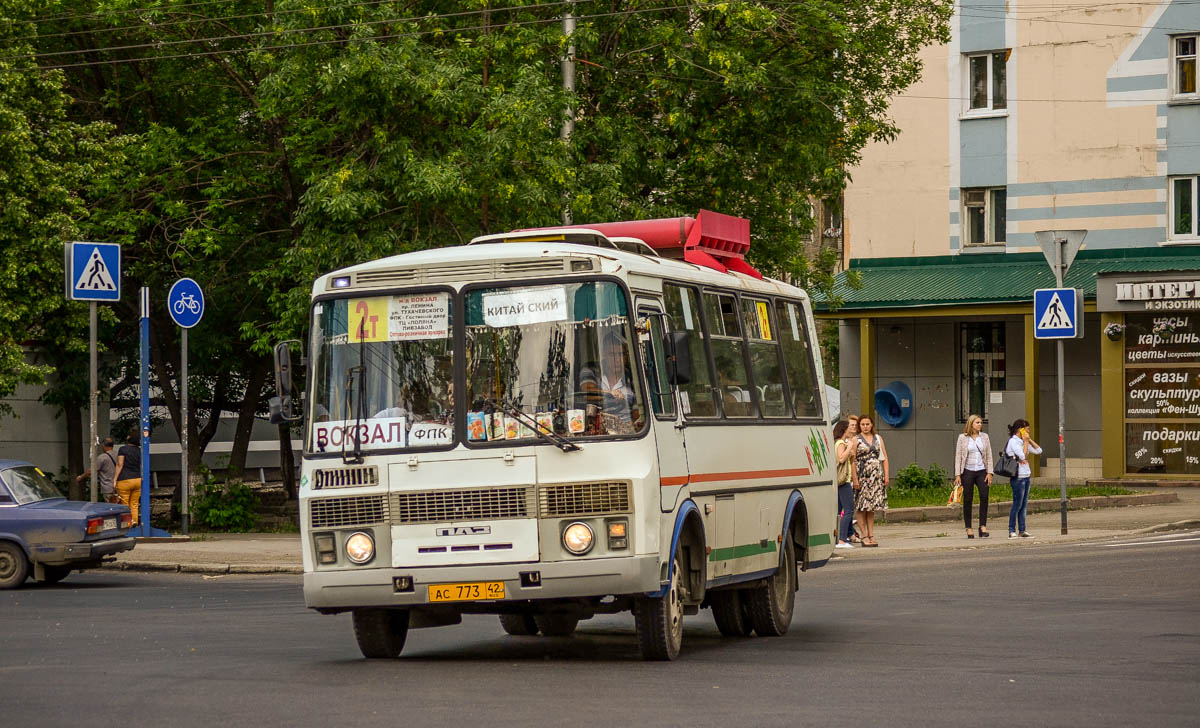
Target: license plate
110	523
468	592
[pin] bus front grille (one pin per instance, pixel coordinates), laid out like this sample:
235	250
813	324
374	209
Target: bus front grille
355	510
473	504
584	499
351	477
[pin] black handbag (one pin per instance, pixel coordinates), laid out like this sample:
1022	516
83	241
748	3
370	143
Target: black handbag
1007	465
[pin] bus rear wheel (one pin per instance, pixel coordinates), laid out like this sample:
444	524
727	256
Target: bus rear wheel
730	613
519	625
380	632
771	604
659	620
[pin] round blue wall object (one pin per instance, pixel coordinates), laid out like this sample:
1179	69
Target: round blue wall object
893	403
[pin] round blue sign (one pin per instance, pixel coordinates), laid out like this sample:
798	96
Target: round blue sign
185	303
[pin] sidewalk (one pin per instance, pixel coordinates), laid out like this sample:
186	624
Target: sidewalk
1082	525
280	553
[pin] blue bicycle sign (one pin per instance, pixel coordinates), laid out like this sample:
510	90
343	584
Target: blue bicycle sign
186	302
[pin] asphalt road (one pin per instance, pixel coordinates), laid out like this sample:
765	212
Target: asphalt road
1093	634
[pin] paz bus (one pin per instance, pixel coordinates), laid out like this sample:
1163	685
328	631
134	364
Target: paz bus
551	424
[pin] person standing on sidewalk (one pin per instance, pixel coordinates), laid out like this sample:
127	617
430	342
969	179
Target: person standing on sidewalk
1020	446
843	434
871	476
129	474
973	468
105	466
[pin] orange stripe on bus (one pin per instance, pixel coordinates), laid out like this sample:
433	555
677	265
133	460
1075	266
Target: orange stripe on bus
743	475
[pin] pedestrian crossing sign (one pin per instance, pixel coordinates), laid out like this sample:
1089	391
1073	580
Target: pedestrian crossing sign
1058	313
93	271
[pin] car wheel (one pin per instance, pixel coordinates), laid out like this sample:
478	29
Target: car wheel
772	603
520	625
659	620
14	567
54	574
556	625
730	613
380	632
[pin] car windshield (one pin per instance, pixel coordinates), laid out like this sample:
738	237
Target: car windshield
27	484
558	356
384	368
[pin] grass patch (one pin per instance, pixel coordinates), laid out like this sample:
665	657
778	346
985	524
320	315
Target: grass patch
915	487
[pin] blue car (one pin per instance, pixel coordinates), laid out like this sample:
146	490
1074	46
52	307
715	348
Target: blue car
49	536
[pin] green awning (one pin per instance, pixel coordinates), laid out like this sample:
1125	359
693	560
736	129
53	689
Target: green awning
951	280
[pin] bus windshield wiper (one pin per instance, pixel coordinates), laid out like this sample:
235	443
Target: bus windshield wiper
355	404
553	438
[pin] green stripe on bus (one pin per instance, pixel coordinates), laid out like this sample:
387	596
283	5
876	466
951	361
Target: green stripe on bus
741	552
819	539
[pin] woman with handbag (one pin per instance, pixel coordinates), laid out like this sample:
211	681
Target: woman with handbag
843	435
973	469
871	476
1020	446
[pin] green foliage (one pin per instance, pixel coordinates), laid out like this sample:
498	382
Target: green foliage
913	477
225	506
328	134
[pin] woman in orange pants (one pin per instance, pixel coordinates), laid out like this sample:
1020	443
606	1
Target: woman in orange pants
128	476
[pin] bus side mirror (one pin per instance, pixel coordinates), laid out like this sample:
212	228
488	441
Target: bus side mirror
679	358
282	406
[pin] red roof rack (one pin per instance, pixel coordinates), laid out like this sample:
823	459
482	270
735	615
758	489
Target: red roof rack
709	239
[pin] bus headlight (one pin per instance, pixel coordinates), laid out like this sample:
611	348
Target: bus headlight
577	538
360	547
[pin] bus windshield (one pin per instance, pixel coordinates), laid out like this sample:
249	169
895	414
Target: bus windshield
384	367
559	354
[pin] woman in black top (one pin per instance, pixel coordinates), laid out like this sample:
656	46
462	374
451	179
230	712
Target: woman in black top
129	474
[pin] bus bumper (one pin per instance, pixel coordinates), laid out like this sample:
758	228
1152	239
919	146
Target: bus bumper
352	588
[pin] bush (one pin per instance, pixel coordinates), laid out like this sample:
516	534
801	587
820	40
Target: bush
225	507
913	478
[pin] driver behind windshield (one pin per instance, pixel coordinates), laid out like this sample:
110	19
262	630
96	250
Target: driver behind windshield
611	380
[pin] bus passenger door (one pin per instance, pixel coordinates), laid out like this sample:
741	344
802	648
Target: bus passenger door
664	415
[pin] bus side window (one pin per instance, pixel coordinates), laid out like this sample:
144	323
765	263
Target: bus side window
729	354
696	397
661	401
765	366
798	359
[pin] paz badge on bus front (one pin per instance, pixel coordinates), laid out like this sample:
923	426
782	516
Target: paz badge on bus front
464	531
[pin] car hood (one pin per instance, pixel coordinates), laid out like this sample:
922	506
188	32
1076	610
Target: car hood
82	507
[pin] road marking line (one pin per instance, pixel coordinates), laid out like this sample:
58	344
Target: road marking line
1149	543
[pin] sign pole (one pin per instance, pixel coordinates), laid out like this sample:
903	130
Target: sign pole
144	526
1059	274
183	467
93	395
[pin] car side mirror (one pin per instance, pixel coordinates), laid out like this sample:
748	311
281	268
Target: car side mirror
282	406
679	358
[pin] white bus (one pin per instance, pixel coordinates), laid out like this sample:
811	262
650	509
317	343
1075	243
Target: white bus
552	424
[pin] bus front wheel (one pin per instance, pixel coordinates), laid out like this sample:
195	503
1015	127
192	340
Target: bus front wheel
772	603
520	625
380	632
659	620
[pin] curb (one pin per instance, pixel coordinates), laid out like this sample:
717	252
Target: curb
953	513
1175	526
187	568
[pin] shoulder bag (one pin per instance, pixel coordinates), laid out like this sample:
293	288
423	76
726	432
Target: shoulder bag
1006	464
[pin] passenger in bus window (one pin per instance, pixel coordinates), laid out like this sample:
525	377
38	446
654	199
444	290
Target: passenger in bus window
610	382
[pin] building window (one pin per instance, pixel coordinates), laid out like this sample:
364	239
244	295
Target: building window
1183	207
987	76
1183	66
981	367
984	215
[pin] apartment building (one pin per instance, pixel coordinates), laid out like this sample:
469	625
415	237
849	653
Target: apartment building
1036	116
